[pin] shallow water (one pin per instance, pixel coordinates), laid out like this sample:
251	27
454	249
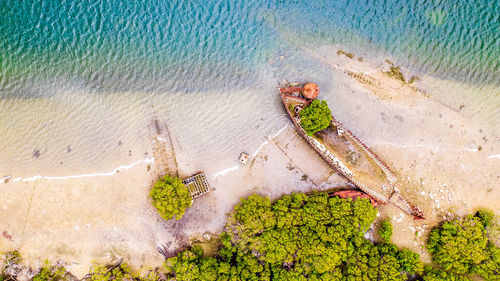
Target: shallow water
80	81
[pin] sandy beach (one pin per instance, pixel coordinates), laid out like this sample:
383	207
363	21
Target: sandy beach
445	155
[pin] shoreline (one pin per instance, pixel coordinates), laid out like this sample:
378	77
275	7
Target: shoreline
108	212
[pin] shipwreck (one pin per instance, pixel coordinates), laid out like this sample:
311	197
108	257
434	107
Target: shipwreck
346	153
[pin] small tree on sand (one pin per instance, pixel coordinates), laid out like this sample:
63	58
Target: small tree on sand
385	231
170	197
315	117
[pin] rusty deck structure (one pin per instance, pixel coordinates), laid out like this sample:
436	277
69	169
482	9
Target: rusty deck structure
197	185
349	156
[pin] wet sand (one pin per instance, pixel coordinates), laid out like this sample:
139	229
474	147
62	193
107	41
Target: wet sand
447	159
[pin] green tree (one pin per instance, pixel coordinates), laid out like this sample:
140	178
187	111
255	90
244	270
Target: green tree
385	231
298	237
170	197
410	262
462	246
315	117
436	274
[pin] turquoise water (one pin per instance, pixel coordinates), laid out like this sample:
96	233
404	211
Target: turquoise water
80	81
197	45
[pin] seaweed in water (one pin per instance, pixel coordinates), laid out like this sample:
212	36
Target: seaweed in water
395	72
349	55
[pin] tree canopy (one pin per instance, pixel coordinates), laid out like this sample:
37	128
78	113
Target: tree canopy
315	117
298	237
463	246
170	197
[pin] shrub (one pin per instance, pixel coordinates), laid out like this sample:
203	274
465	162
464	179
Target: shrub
170	197
385	231
486	216
50	273
315	117
43	275
462	246
117	272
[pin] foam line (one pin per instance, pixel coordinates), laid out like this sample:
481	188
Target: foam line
279	132
234	168
105	174
260	147
225	171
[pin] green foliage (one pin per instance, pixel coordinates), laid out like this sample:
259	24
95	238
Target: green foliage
170	197
298	237
315	117
436	274
487	217
117	272
462	246
410	262
385	231
43	275
50	274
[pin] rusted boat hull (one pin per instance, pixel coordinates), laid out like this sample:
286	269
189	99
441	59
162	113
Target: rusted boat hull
336	143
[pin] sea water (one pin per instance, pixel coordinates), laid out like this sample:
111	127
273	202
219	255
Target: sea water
81	81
